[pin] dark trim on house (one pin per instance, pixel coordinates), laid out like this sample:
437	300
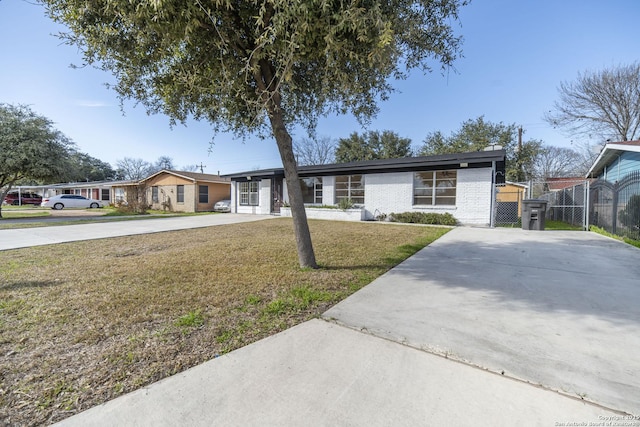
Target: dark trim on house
471	160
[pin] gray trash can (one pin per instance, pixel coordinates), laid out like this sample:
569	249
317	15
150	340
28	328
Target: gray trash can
533	214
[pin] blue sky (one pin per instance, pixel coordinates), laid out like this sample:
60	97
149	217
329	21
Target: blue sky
516	53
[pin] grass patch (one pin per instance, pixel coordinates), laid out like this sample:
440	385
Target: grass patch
83	322
193	319
24	214
626	240
548	225
560	225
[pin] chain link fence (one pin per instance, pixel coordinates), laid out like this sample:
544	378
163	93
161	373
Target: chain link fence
565	201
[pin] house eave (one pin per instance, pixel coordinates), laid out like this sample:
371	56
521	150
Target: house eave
471	160
610	152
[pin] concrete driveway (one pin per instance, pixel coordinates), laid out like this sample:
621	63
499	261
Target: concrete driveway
558	309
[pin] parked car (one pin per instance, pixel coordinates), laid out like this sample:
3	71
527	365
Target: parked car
70	201
222	206
23	199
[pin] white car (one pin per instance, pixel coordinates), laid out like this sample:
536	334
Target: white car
62	201
222	206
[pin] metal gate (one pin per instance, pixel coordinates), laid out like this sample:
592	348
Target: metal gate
615	206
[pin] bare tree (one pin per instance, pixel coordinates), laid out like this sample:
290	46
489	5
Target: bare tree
554	162
316	151
164	162
133	169
604	104
190	168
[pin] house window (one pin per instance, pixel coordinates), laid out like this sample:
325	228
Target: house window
249	193
203	194
180	193
154	194
104	194
434	188
350	187
120	195
311	190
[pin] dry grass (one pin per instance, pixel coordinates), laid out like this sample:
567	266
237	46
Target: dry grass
81	323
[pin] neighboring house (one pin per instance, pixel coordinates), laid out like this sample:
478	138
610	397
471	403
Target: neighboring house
98	190
616	160
180	191
509	197
461	184
562	183
613	197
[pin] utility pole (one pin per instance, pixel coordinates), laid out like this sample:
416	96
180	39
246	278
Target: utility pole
201	167
519	158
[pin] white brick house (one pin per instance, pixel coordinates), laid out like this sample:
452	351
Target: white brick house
461	184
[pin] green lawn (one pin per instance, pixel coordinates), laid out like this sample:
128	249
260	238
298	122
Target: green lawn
82	323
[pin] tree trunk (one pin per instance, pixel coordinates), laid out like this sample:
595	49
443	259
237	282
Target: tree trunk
306	256
267	83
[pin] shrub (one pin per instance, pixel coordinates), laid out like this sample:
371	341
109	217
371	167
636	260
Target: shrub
424	218
345	204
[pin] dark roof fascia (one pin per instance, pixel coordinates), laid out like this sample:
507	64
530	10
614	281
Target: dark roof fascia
257	174
479	159
472	159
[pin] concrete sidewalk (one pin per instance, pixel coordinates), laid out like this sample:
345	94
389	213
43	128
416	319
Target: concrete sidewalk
483	327
38	236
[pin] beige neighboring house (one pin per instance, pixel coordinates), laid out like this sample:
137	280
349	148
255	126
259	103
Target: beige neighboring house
512	193
180	191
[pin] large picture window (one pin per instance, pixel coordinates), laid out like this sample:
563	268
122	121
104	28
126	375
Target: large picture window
434	188
350	187
249	193
311	190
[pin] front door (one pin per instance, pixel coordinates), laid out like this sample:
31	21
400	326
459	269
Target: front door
277	196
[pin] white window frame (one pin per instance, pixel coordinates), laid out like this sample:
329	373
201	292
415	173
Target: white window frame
249	193
317	190
437	186
350	190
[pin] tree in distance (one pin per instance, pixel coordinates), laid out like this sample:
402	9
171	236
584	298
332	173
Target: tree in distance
314	151
602	105
83	167
556	162
477	134
30	148
372	145
261	66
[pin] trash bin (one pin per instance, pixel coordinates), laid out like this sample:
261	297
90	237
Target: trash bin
533	214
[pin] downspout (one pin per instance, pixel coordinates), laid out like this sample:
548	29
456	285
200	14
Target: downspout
493	194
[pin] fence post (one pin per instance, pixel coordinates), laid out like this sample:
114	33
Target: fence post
614	207
587	205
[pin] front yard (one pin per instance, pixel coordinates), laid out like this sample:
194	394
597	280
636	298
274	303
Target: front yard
82	323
